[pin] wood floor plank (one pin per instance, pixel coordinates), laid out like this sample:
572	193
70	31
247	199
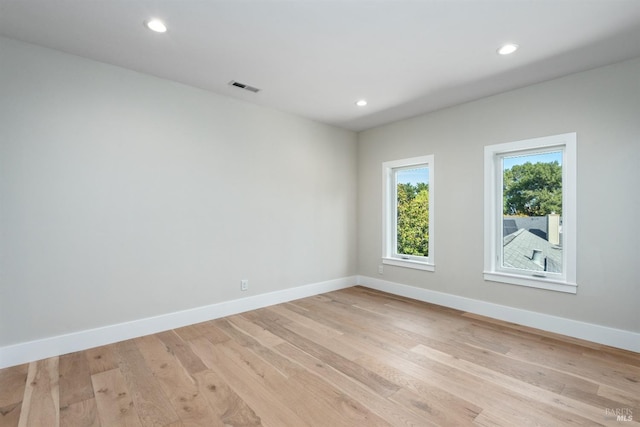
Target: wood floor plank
313	310
397	310
80	414
540	376
488	419
213	333
258	333
10	415
622	398
358	372
281	364
336	403
181	389
75	378
305	321
614	355
431	401
439	406
101	359
315	400
359	322
359	333
232	410
569	405
623	376
332	342
328	405
383	407
41	403
151	403
204	329
13	381
337	408
114	400
501	402
247	384
182	351
351	357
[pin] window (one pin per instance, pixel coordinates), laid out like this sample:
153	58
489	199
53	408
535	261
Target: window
530	213
408	213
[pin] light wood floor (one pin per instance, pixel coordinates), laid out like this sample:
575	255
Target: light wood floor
354	357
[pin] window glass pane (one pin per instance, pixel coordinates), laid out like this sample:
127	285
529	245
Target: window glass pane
412	211
532	212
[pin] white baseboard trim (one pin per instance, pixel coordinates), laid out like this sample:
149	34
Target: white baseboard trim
619	338
62	344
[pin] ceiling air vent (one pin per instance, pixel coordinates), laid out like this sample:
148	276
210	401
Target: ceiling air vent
244	86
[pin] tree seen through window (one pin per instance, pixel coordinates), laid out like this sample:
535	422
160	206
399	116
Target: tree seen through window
413	211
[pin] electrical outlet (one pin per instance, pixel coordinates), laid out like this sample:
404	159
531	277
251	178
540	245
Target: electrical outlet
244	284
380	269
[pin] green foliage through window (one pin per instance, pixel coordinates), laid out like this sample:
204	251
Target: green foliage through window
413	219
533	189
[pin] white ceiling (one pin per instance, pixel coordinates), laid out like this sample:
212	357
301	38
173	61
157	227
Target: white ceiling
315	58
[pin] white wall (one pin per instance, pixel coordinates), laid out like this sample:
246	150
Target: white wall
124	196
603	107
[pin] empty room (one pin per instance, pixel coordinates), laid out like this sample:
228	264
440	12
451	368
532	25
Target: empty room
319	213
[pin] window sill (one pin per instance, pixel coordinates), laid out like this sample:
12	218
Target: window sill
417	265
532	282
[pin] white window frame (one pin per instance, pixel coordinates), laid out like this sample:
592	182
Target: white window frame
389	214
493	206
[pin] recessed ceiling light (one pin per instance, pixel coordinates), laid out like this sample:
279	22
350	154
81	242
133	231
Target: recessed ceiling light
508	49
361	103
156	25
